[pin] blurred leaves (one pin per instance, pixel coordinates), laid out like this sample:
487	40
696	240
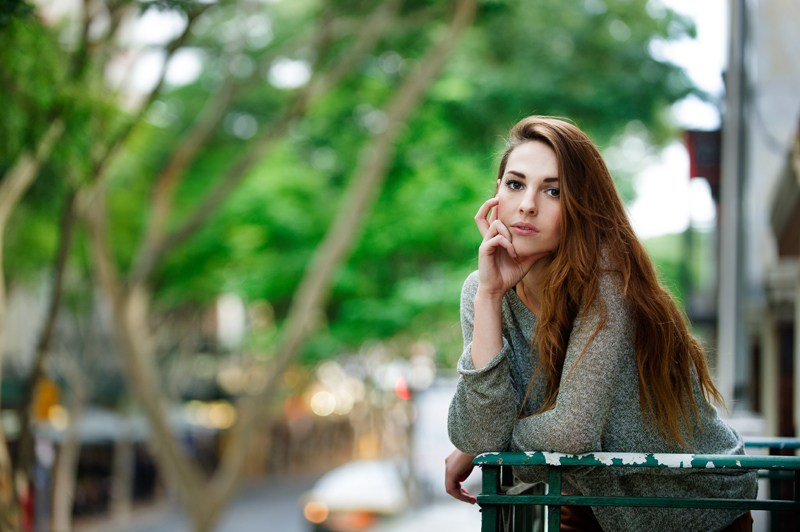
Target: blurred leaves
589	61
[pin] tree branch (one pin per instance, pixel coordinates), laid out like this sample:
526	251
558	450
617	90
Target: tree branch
371	31
12	187
20	176
356	202
360	193
24	450
82	53
182	158
129	314
118	140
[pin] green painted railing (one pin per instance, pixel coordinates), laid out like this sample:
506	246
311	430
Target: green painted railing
508	507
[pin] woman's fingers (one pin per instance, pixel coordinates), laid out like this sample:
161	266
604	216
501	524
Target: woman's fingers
501	228
461	494
483	219
458	466
502	241
497	228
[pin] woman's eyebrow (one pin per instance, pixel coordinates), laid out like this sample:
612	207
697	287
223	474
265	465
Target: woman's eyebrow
518	174
551	180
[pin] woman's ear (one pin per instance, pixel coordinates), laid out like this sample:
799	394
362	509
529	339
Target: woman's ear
497	188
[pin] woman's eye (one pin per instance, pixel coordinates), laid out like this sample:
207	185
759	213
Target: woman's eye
553	192
513	184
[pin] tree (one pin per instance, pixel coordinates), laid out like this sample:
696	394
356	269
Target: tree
406	273
129	299
181	185
13	186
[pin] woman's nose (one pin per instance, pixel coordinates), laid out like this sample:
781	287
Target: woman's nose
528	205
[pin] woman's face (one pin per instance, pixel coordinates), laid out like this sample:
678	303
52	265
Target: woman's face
529	199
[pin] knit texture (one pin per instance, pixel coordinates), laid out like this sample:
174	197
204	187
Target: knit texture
597	409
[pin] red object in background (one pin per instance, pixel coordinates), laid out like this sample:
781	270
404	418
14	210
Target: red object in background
350	521
704	154
401	389
25	506
294	407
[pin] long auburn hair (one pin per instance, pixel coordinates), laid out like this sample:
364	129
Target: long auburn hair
594	225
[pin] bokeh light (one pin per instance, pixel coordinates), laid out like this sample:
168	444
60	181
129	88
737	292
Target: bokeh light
316	512
58	417
323	403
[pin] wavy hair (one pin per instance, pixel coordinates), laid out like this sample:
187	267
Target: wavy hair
594	224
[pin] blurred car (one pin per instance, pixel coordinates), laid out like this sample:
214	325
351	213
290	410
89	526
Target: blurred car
355	496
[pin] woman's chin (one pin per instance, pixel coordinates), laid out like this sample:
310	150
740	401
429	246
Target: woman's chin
532	254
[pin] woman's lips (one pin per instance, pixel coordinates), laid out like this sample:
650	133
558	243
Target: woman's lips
524	229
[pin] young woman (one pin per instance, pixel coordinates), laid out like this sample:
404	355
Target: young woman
571	345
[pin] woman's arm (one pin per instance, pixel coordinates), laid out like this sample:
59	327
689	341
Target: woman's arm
499	270
483	408
589	382
487	336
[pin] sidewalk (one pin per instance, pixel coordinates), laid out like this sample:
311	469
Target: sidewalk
271	506
267	506
441	515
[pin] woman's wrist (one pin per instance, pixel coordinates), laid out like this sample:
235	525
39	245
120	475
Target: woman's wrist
487	335
488	297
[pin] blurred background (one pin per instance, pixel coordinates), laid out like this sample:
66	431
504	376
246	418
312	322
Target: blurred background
233	235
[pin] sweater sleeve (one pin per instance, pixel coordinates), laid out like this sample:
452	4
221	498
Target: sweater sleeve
483	409
589	381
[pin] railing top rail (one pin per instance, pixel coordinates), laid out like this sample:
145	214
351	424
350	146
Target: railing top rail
772	443
707	461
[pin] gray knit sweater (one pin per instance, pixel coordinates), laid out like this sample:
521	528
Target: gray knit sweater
597	409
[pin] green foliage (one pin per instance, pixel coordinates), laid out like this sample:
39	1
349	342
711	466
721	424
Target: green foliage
588	61
9	9
685	262
38	85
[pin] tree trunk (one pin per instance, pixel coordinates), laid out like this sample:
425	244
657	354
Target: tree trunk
356	202
122	475
65	473
12	187
130	302
23	459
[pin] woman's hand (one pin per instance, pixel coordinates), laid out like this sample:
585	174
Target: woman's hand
499	266
458	466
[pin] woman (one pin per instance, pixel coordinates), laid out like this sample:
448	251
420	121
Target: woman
571	345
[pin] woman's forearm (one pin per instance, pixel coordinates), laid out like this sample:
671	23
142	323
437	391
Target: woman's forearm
487	337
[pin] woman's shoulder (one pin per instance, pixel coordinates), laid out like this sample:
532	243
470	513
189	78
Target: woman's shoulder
471	282
610	303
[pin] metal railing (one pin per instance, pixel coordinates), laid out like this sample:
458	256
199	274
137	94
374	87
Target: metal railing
518	507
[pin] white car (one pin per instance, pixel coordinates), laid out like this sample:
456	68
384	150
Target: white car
353	497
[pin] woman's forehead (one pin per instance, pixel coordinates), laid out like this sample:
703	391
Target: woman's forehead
532	159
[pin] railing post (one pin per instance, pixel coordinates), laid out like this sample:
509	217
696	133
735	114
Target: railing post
515	503
796	490
774	494
554	510
490	486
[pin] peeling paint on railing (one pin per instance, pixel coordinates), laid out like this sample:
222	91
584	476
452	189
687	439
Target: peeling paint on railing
492	500
684	461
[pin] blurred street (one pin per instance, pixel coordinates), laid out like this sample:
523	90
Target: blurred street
273	506
264	507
